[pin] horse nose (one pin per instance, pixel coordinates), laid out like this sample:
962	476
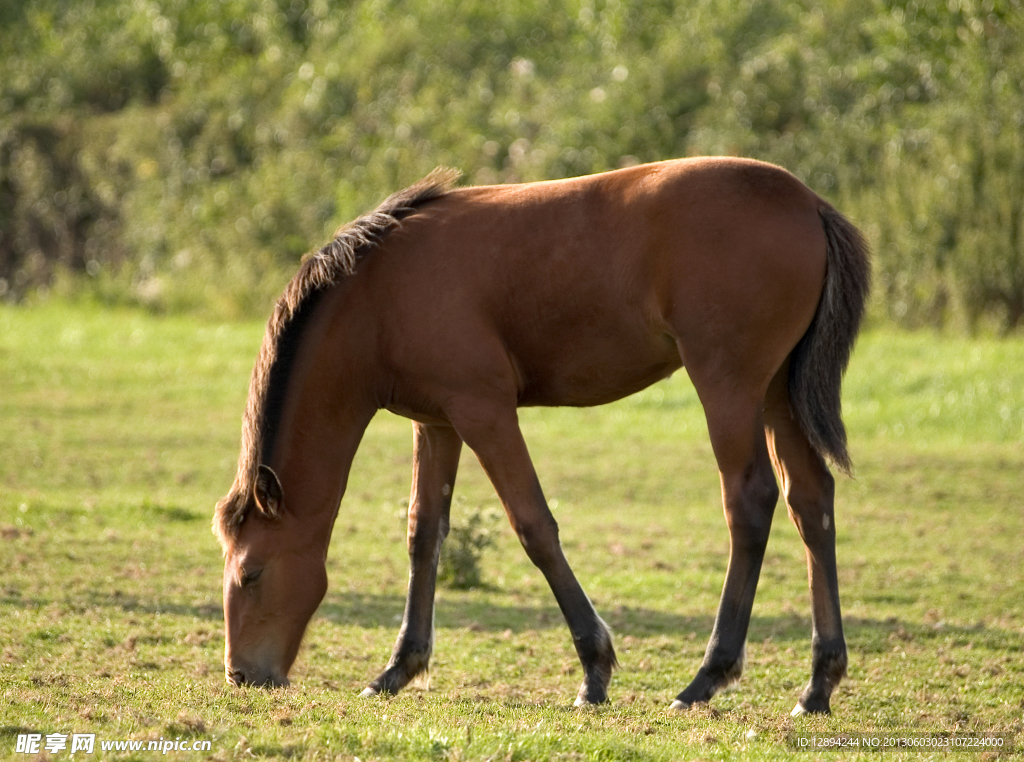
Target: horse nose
266	680
235	676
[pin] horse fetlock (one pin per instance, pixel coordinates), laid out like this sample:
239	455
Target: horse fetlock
388	683
598	659
593	689
596	648
590	696
811	702
828	662
713	676
829	669
815	699
699	691
412	663
725	671
404	668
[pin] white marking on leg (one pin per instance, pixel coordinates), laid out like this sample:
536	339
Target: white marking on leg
446	490
826	522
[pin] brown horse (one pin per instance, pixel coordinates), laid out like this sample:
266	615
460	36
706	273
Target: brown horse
453	307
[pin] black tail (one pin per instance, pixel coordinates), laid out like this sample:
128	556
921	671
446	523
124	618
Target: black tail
819	360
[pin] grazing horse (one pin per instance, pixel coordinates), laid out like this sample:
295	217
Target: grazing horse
455	306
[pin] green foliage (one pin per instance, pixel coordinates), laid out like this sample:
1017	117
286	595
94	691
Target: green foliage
459	566
185	154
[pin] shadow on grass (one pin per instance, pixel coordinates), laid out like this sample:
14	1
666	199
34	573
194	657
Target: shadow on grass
863	635
128	604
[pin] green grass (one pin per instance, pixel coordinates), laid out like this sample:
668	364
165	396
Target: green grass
118	432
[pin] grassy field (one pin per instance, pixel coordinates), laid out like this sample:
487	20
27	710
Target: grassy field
119	431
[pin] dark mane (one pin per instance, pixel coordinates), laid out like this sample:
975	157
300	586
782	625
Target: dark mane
333	262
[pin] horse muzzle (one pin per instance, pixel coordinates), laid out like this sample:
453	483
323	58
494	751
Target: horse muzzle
255	677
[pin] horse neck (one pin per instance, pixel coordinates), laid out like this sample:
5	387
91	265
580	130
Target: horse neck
327	406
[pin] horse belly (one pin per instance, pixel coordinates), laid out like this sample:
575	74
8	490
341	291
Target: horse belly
548	356
591	367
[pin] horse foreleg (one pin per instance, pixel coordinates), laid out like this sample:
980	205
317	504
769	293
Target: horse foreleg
495	437
749	494
436	452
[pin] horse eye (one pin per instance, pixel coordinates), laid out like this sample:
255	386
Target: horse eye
248	577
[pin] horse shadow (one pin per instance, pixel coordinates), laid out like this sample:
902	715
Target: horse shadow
384	611
864	634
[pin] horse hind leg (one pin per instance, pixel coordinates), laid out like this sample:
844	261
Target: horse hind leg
809	491
749	494
436	452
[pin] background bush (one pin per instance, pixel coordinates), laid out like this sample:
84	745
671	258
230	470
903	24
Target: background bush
184	154
469	536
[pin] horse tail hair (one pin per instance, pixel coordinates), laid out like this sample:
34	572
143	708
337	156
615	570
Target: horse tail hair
820	357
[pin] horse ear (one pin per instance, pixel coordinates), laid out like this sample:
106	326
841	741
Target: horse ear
268	493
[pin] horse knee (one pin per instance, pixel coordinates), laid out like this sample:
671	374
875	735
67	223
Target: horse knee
764	490
750	505
539	539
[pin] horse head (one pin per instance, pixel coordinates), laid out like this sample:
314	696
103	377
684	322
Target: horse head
274	579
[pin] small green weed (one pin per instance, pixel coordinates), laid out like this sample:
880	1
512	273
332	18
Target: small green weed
459	567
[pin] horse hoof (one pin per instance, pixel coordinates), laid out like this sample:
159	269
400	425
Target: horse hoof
811	705
582	701
369	693
685	706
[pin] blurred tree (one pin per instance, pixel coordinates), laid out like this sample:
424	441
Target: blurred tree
186	153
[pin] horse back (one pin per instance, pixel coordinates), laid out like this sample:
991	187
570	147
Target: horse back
581	291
